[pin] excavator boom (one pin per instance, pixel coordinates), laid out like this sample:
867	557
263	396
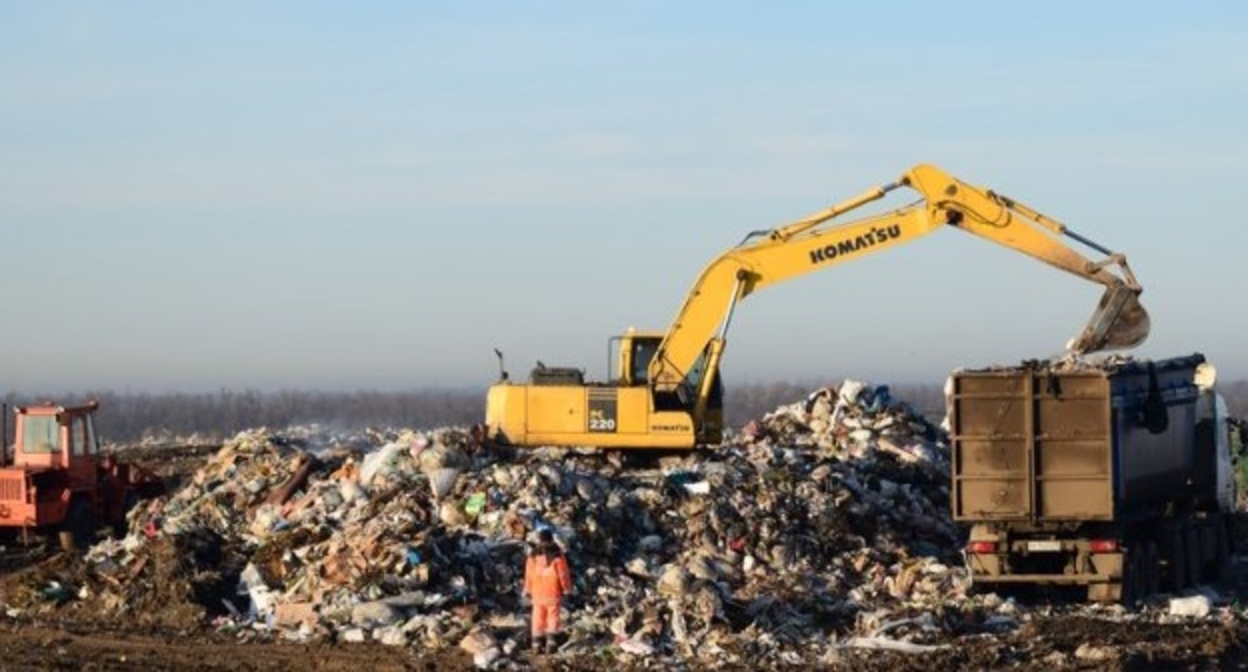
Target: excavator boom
815	242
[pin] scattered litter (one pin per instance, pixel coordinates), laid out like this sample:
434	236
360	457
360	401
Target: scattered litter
885	644
1094	653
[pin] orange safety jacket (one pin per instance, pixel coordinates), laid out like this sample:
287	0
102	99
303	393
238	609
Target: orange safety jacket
546	580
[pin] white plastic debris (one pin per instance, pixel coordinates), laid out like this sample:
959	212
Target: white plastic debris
374	614
636	647
850	391
1091	652
252	584
380	461
442	481
484	659
390	636
698	488
478	641
886	644
1196	606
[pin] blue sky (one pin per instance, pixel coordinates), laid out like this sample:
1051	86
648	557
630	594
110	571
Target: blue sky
349	195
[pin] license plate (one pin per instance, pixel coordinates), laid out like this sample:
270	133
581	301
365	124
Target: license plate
1044	546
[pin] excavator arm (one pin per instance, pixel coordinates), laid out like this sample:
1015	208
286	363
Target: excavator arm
688	357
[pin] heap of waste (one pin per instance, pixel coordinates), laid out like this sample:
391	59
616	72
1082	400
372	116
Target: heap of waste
821	526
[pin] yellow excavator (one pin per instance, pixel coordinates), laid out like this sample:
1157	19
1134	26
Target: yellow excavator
666	393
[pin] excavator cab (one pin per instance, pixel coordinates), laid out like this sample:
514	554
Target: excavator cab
631	354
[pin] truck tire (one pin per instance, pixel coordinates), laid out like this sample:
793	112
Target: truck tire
1228	521
1131	579
1178	562
1222	556
1195	559
1152	570
1141	568
78	529
1141	573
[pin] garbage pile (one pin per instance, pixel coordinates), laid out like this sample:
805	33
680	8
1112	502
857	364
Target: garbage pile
821	526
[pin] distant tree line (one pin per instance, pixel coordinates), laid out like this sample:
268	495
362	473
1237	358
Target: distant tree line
213	416
210	417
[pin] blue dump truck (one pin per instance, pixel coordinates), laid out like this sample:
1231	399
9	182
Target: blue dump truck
1116	476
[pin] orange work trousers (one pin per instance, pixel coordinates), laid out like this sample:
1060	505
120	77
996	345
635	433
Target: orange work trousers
545	619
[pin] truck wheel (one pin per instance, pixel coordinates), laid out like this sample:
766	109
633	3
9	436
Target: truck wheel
1228	522
1140	564
1152	570
1222	557
1178	562
78	530
1139	570
1195	559
1130	581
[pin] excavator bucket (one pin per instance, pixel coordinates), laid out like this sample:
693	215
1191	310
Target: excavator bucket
1119	323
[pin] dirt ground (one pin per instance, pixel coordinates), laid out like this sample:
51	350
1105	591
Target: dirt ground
71	638
1047	645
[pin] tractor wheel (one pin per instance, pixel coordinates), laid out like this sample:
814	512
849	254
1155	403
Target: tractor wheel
121	526
78	530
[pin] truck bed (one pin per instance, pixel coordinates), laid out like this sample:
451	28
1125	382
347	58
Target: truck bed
1044	444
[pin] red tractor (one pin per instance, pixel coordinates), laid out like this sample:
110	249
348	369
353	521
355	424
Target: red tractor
58	481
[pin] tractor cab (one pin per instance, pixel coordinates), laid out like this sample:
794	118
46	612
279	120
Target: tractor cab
57	437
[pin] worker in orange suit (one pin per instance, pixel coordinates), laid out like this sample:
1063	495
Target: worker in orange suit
546	581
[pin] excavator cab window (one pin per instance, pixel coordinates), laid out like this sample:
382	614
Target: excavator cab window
643	352
631	355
